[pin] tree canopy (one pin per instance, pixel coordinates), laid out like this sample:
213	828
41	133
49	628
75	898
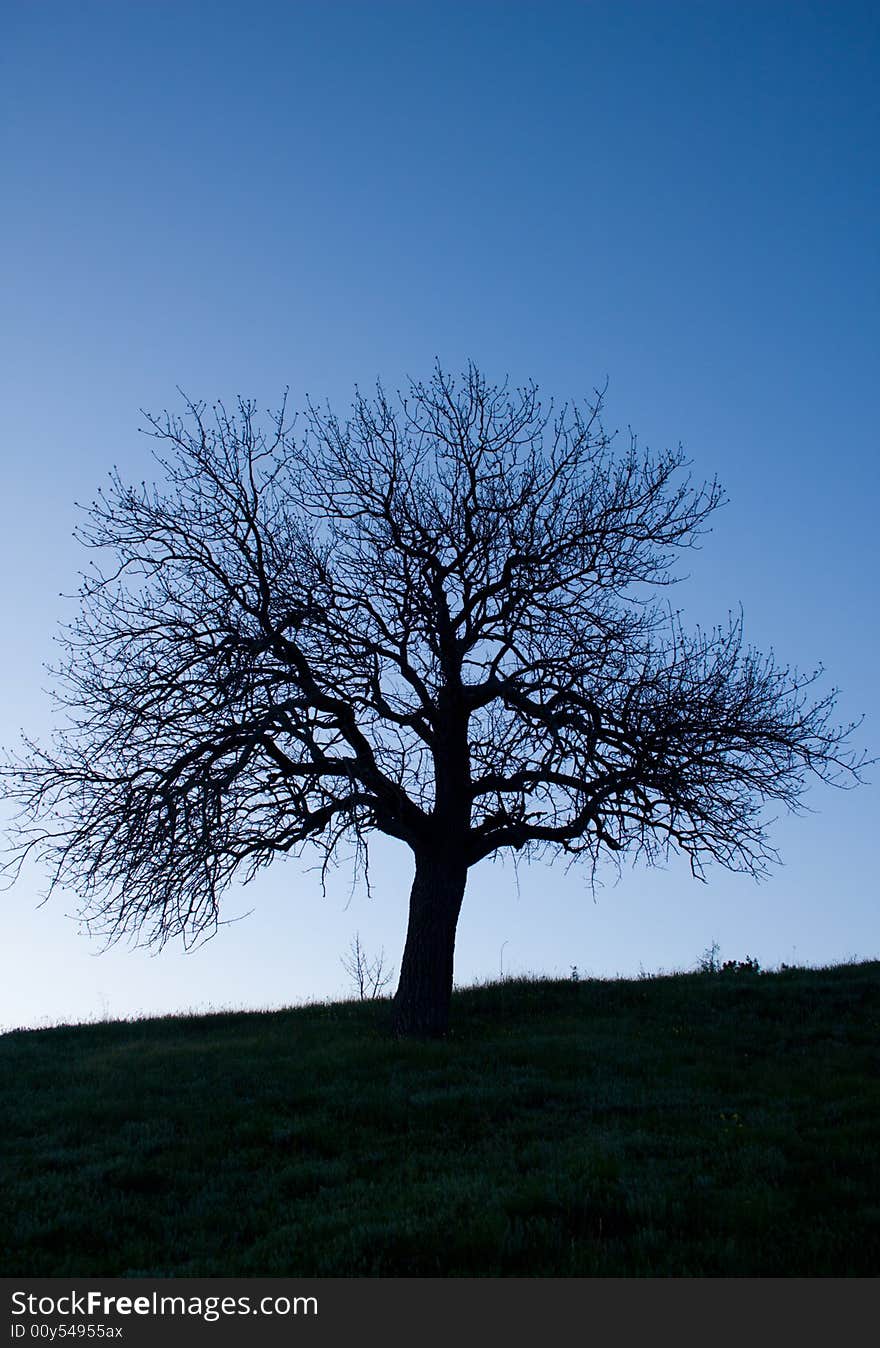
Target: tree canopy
441	619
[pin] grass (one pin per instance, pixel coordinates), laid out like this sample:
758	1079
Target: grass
717	1124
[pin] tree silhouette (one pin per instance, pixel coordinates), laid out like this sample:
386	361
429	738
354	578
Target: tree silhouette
439	620
369	975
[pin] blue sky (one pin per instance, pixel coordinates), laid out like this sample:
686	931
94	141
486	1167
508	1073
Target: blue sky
679	197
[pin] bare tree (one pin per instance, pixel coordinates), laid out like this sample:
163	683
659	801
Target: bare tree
440	620
370	976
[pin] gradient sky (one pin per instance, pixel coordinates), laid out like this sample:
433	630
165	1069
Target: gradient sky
679	197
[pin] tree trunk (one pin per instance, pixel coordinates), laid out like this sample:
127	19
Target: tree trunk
424	992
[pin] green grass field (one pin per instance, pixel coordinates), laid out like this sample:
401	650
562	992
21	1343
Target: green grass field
696	1124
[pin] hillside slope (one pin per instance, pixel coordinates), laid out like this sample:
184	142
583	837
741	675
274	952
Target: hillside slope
703	1124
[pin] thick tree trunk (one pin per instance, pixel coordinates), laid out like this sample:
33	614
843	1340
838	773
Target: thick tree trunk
424	992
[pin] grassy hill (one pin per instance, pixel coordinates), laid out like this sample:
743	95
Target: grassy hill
701	1124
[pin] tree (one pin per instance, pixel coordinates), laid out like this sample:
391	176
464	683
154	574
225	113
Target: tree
439	620
369	976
